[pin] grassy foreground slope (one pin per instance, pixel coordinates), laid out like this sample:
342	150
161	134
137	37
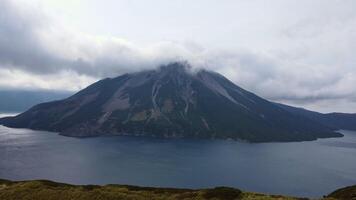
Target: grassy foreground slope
48	190
347	193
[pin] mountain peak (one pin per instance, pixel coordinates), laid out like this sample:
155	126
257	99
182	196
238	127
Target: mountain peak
170	101
176	67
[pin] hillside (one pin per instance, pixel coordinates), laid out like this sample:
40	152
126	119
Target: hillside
170	102
48	190
335	121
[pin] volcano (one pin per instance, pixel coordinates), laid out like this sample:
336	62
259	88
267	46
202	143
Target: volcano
170	102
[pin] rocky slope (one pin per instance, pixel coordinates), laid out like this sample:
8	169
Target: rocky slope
170	102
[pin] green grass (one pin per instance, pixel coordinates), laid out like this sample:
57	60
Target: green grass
48	190
347	193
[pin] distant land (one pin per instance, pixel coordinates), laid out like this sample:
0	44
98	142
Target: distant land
174	102
15	101
335	120
43	189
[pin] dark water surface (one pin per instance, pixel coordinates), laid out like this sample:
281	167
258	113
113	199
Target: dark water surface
301	169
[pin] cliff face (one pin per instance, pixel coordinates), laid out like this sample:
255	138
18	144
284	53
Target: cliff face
170	102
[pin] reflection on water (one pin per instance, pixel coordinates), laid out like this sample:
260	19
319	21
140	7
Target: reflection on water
299	168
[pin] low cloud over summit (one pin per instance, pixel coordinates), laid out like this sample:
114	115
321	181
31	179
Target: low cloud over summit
297	52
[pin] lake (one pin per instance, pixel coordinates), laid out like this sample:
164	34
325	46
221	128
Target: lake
309	169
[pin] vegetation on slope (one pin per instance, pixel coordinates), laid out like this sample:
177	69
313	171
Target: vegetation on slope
48	190
170	102
347	193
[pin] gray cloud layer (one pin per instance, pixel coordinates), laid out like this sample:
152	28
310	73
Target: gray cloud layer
29	42
313	62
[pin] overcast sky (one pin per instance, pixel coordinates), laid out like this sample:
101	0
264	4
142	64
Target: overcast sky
300	52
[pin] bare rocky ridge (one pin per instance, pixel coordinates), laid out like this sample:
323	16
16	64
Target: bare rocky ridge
170	102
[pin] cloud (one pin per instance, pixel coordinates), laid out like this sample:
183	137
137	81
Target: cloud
65	80
33	43
311	60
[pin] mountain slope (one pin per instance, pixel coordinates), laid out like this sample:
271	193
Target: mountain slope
44	189
48	190
336	121
170	102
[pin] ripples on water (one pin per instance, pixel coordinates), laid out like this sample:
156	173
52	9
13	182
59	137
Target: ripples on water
300	168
